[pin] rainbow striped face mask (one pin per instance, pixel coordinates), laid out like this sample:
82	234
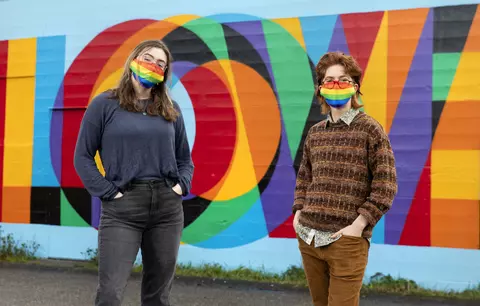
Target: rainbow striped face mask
147	74
337	94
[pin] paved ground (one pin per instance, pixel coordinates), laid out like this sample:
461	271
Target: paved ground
23	286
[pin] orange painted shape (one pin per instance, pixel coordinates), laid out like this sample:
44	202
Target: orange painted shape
473	40
16	204
404	31
261	116
458	126
455	223
155	30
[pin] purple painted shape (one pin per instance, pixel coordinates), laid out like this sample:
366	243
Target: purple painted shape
96	209
181	68
277	198
253	32
411	132
339	41
56	127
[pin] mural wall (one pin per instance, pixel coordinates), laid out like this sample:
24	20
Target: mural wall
246	89
245	84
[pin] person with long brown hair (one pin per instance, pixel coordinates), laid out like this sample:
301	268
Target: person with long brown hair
140	135
346	182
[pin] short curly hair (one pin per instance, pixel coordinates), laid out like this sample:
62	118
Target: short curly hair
352	68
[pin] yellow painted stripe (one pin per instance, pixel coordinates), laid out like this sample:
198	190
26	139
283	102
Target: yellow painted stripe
241	175
182	19
19	113
294	27
374	87
455	174
110	82
465	84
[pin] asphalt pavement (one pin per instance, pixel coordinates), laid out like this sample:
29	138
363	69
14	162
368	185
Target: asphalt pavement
30	286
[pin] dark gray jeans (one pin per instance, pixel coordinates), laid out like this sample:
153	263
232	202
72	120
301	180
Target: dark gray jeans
149	216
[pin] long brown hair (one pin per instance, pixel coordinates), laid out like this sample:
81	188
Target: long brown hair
162	103
352	68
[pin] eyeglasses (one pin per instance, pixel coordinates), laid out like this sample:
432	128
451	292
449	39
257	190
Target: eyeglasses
341	84
147	58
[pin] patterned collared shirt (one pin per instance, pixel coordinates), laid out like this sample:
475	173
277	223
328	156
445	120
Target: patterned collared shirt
347	117
323	238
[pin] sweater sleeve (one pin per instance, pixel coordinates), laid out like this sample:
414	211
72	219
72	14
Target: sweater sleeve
304	177
384	178
88	142
182	154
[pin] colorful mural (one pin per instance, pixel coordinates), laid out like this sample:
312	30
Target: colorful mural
246	89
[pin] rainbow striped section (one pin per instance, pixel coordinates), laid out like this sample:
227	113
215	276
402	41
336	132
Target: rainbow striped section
337	94
148	73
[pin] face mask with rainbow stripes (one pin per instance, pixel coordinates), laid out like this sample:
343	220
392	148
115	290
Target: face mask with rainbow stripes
147	74
337	94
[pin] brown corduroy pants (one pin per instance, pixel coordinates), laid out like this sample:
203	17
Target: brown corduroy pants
335	272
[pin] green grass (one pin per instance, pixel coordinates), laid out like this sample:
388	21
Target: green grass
13	251
295	276
386	284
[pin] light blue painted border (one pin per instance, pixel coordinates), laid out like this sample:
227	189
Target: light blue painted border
437	268
65	18
49	77
84	20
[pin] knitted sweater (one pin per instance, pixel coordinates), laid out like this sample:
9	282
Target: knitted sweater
346	170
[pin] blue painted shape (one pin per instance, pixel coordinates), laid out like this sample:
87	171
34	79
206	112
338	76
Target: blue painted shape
339	41
317	34
49	75
250	227
379	232
180	95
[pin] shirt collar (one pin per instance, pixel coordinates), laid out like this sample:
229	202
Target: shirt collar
347	117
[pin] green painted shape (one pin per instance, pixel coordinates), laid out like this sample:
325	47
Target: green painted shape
444	69
211	32
293	80
68	215
219	216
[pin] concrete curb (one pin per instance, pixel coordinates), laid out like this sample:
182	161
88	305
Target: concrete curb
61	265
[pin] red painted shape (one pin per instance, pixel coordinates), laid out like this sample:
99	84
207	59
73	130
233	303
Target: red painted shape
3	100
216	127
416	231
78	85
361	31
285	230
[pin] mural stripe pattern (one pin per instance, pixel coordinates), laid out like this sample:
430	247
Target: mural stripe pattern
18	143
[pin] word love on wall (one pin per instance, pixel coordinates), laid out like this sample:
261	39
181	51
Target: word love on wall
247	92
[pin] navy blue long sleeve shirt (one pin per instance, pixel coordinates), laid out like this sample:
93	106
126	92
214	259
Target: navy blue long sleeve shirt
132	146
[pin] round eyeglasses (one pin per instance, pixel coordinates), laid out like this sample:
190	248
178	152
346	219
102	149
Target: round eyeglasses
340	84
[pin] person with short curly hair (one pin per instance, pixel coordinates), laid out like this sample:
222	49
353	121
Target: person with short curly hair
346	182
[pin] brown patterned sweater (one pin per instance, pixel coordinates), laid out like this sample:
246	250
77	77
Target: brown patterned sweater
346	170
